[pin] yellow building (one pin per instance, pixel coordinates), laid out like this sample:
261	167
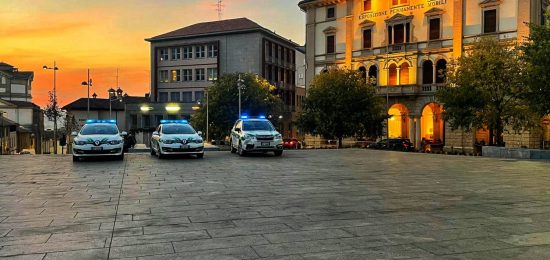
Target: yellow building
405	45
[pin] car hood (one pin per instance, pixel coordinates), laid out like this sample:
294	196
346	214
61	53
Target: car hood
181	137
262	132
92	138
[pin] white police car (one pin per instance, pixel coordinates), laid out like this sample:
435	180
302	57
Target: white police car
176	137
98	138
255	135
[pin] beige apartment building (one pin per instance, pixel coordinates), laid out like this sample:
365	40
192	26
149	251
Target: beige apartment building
405	45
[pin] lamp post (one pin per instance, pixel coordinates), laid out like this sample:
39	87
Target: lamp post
240	86
55	69
114	95
2	133
88	83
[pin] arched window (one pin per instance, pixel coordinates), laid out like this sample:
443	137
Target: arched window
373	74
441	71
427	72
404	74
363	72
392	73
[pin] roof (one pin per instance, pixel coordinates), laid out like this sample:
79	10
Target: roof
6	122
133	99
12	71
95	104
23	103
238	25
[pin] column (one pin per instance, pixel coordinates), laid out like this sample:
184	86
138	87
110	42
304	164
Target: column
434	68
398	81
412	129
418	139
458	14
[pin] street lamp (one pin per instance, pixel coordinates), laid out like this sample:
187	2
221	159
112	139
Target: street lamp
55	69
240	86
88	83
2	133
114	95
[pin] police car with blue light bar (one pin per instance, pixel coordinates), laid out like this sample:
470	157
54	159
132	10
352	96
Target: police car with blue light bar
255	134
176	137
98	138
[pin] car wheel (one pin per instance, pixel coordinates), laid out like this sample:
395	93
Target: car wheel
240	150
200	155
159	153
121	157
278	153
76	159
233	150
152	151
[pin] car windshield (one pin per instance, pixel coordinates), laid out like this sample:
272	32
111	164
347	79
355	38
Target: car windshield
257	126
178	129
99	129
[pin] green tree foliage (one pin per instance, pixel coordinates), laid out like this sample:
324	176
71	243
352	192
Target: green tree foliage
536	54
341	103
257	99
485	90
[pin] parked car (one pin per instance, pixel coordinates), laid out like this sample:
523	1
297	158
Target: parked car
293	143
255	135
396	144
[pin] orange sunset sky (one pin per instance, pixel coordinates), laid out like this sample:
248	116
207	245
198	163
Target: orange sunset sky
104	35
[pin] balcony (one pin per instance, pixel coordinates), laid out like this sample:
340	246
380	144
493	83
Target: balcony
409	90
432	88
402	47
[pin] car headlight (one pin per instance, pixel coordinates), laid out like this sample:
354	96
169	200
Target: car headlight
198	141
167	141
278	136
115	142
249	136
79	142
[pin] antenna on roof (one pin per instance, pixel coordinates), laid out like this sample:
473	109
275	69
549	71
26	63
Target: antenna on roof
219	8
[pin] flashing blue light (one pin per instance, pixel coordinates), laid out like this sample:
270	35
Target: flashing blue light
174	121
261	117
244	117
98	121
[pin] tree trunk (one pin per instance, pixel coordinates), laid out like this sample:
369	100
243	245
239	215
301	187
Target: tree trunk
340	140
462	139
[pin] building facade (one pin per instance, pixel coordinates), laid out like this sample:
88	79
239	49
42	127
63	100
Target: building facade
14	84
186	61
404	46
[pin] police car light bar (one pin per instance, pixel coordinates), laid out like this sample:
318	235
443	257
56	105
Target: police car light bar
97	121
174	121
252	117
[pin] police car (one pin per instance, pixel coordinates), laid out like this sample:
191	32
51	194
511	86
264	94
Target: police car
98	138
255	135
176	137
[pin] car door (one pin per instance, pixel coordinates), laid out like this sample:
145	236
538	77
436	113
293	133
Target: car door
235	134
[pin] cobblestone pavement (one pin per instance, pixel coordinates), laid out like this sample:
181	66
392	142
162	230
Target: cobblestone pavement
324	204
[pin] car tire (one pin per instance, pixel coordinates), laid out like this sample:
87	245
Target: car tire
240	150
278	153
233	150
120	157
76	159
159	153
200	155
152	151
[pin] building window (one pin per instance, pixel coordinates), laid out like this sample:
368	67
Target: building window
212	74
164	76
331	42
435	29
175	75
373	74
427	72
187	96
176	53
399	33
367	39
175	96
490	21
133	122
200	51
187	75
163	54
163	96
441	71
367	5
199	75
212	51
392	75
399	2
404	74
187	52
331	12
4	81
146	121
199	95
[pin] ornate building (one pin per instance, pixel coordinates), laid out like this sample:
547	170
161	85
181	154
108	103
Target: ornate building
404	46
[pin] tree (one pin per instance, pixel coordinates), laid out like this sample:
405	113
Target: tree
536	53
257	98
341	103
70	125
485	90
53	113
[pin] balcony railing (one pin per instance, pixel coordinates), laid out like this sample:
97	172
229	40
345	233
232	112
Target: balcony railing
432	88
409	90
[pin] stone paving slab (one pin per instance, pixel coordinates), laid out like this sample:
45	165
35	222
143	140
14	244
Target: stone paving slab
318	204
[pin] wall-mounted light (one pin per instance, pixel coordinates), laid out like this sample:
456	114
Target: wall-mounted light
145	108
173	108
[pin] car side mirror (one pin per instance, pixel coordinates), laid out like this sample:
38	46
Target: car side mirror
124	133
238	130
74	133
155	133
199	133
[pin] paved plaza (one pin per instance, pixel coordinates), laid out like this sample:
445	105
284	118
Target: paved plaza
321	204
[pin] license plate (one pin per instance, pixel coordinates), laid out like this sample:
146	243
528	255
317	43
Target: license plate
184	146
97	148
265	144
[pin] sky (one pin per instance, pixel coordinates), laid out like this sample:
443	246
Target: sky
106	35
